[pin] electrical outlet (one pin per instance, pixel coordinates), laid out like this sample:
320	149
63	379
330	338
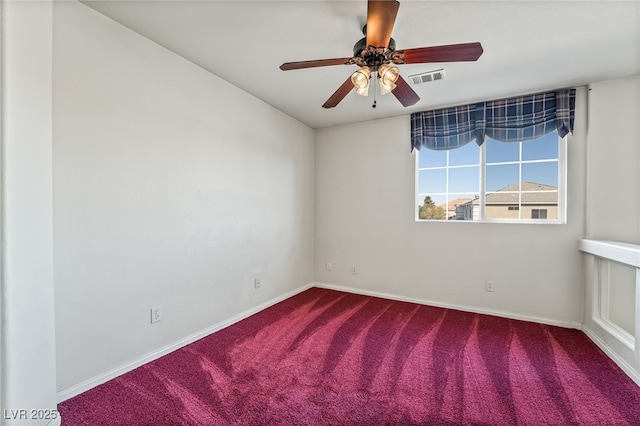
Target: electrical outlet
354	270
257	284
156	314
329	266
490	286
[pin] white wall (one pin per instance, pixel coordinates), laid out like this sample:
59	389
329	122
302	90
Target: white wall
365	209
613	201
28	379
172	188
614	161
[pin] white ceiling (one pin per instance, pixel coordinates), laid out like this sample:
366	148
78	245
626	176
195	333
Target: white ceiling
528	46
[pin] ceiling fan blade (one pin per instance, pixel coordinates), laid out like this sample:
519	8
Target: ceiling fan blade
313	64
404	93
339	94
381	16
449	53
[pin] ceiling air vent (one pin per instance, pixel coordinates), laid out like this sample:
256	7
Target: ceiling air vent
427	76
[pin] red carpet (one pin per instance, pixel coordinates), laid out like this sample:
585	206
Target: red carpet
330	358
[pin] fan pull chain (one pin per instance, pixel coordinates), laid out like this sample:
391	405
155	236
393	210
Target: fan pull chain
374	91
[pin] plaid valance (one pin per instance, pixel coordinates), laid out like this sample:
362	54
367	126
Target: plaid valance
508	120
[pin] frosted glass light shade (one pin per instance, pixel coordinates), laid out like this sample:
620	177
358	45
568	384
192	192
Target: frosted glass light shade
360	80
387	77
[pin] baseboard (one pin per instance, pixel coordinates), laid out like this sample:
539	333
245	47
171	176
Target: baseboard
84	386
55	422
624	365
474	309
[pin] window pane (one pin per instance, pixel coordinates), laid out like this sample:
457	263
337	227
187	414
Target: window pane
541	149
541	173
430	158
432	181
502	205
526	189
466	155
432	208
539	213
501	177
498	152
464	207
539	205
438	200
464	179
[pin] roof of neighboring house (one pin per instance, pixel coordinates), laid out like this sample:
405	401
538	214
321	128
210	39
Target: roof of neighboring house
531	194
451	205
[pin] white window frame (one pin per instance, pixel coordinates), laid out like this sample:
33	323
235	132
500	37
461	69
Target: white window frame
562	191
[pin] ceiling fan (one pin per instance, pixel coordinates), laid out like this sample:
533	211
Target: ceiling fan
376	54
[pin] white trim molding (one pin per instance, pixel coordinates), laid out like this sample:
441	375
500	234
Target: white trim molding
618	343
55	422
84	386
620	362
629	254
473	309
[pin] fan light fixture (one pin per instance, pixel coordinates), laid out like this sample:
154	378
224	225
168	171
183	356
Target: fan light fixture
360	80
376	53
387	77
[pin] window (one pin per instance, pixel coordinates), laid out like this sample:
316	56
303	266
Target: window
497	181
538	213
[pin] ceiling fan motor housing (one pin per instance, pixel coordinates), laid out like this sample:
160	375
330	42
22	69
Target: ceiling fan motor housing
372	56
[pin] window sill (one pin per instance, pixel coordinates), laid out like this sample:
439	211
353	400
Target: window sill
501	221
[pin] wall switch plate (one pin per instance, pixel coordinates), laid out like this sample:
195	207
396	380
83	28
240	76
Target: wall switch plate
329	266
354	270
156	314
490	286
256	283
